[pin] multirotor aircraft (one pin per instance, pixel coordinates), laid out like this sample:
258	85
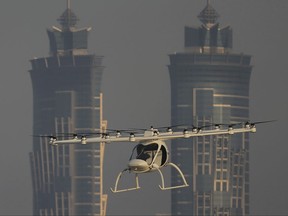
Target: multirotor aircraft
151	153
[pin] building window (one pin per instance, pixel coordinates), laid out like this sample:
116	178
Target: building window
218	186
224	185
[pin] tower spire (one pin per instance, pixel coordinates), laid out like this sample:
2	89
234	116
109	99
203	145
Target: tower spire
68	4
68	19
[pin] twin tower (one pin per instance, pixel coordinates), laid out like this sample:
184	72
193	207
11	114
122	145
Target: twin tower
209	84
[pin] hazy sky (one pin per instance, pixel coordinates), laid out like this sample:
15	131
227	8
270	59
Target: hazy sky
136	37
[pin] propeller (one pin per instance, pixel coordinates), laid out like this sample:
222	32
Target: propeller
253	124
198	129
132	137
170	128
73	135
155	129
51	137
247	124
82	135
118	132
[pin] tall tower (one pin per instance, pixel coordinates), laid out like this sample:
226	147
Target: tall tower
210	84
67	179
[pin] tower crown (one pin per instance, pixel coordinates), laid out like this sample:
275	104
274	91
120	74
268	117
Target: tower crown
67	39
209	37
208	16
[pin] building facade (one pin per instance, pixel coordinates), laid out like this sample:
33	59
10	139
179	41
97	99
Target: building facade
210	84
67	179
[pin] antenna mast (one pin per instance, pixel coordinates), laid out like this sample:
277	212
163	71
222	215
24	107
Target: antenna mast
68	4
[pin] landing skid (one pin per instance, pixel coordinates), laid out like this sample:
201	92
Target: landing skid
162	187
116	190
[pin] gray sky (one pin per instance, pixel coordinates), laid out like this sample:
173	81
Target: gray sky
136	37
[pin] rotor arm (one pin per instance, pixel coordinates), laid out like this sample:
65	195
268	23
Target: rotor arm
83	140
160	136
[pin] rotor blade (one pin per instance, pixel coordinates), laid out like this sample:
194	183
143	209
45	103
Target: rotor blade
44	136
135	130
124	130
170	126
262	122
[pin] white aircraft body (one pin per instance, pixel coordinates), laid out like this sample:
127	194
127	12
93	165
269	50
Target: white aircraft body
151	152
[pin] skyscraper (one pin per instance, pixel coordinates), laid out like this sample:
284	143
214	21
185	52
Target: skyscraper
210	84
67	179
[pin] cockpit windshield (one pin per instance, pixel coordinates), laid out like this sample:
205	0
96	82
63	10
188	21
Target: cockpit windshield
145	152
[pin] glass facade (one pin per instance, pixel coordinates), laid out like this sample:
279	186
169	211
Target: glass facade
210	84
67	179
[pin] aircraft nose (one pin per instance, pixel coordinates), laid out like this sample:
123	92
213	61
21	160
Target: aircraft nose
137	165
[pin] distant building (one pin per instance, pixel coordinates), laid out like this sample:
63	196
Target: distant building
210	84
67	179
